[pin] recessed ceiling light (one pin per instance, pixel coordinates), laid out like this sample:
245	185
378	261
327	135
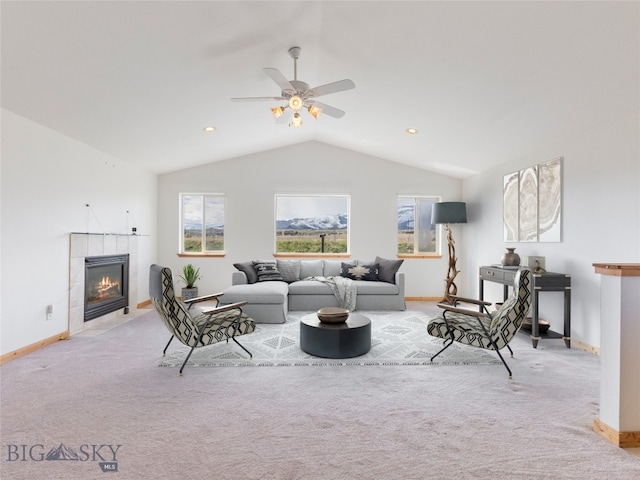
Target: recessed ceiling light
412	131
209	129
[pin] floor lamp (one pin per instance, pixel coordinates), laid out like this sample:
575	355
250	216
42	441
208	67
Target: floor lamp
447	213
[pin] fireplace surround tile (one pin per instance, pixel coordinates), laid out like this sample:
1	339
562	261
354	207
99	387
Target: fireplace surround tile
89	244
79	245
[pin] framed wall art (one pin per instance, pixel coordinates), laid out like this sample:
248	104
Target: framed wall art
532	203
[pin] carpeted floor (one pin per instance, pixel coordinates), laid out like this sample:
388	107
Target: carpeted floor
105	393
397	338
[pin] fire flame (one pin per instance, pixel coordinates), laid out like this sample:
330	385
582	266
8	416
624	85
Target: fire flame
105	288
107	283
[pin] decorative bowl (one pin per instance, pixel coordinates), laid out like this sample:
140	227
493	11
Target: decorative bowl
543	325
333	315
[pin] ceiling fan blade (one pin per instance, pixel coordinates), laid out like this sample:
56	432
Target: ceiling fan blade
257	99
275	75
329	110
334	87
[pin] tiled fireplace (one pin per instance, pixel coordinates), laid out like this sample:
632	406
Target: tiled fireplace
102	278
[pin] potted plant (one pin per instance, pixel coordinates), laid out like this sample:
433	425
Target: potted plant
190	275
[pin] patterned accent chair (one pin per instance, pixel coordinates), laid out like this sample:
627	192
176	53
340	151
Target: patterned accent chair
209	326
481	328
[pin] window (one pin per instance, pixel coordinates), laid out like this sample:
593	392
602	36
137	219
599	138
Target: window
312	224
201	223
416	234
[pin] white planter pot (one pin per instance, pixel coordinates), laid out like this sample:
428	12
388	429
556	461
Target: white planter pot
189	293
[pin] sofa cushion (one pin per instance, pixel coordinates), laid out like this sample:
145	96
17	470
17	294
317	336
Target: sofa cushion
259	293
376	288
387	269
309	287
289	269
249	271
310	268
332	268
267	271
360	272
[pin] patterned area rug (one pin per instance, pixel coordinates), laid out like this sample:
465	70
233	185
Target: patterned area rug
397	338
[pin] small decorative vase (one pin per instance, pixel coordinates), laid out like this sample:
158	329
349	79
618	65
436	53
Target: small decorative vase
510	259
189	293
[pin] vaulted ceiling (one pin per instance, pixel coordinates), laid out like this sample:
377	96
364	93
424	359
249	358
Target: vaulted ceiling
482	82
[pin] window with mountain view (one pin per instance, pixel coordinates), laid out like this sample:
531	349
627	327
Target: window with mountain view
314	224
416	235
201	223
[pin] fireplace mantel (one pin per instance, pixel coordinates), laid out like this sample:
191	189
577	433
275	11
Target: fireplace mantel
102	234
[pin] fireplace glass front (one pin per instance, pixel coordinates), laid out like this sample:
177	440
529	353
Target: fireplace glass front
106	285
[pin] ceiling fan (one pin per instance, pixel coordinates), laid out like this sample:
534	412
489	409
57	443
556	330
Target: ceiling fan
298	95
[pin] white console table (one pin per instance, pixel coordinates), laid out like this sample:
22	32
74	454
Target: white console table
619	420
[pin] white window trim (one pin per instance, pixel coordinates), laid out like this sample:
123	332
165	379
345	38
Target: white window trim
204	253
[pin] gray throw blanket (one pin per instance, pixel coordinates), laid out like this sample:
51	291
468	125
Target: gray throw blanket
344	289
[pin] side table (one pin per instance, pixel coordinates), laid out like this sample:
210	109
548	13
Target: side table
542	282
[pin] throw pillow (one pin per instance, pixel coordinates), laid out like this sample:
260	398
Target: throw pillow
289	269
360	272
387	269
344	270
267	271
249	271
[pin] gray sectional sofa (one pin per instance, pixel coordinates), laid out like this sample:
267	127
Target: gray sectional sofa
274	287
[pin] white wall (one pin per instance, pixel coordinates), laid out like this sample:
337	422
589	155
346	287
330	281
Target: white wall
47	179
251	182
601	219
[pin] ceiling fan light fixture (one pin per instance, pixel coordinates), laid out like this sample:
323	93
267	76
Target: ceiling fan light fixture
314	111
277	112
295	103
296	121
298	95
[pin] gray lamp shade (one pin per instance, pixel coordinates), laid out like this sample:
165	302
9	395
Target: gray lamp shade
449	212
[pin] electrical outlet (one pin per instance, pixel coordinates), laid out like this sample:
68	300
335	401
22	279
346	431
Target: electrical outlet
49	312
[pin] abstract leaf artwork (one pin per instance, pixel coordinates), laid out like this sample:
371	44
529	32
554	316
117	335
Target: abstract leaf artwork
550	200
528	221
511	206
532	203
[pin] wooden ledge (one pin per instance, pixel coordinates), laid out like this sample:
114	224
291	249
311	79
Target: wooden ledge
618	269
